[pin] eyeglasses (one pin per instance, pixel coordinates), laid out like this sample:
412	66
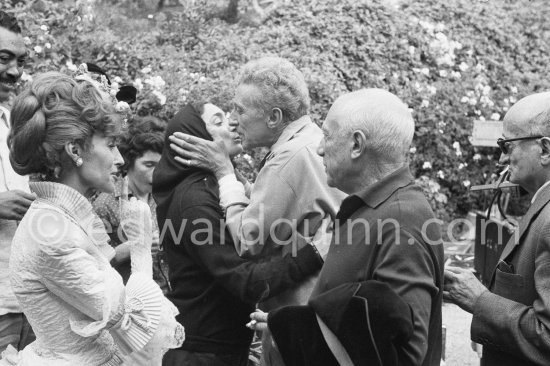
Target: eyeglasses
503	143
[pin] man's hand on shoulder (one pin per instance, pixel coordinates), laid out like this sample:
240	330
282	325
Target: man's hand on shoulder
14	204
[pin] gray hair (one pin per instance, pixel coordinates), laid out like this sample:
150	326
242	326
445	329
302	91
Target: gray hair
384	119
281	84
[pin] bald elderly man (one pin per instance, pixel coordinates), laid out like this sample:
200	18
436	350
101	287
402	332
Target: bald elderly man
384	235
511	319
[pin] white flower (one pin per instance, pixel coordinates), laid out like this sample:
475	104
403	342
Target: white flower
37	49
514	89
513	99
443	73
439	27
427	165
460	166
26	77
138	84
72	67
412	150
466	183
202	79
44	27
456	75
426	25
411	50
440	174
156	82
463	66
456	146
117	79
150	16
431	89
445	59
476	157
480	67
425	71
425	104
495	117
48	45
122	107
464	99
160	97
27	41
146	70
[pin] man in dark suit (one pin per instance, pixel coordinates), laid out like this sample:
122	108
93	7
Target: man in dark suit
511	319
384	235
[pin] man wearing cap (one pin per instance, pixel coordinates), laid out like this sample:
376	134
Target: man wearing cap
15	198
511	319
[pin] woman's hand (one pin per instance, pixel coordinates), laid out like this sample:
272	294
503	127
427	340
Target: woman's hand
259	321
193	151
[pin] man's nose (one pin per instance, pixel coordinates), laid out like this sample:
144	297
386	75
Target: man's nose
504	159
13	71
321	148
233	120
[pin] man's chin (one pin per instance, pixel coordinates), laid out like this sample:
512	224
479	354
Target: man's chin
4	95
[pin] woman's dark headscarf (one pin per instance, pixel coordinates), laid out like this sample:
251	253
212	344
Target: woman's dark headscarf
169	174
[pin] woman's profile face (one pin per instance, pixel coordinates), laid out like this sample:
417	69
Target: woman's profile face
215	118
100	164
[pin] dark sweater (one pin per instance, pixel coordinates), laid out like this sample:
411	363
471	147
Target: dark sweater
214	289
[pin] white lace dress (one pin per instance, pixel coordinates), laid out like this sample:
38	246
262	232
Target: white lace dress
78	307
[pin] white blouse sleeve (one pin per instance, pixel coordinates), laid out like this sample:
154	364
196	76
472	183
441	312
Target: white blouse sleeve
83	278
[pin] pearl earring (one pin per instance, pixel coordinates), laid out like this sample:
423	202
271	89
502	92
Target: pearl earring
79	162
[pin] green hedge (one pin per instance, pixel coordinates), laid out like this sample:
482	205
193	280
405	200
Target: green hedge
451	62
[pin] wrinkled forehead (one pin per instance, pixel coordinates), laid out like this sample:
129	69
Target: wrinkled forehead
12	42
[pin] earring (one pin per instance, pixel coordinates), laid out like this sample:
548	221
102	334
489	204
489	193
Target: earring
79	162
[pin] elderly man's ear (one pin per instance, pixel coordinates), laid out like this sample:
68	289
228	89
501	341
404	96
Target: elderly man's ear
359	146
275	118
545	154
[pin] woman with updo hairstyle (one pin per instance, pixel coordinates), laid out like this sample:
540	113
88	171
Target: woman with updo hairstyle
64	134
141	148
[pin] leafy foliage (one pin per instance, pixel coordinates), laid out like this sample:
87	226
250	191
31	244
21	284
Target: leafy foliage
451	62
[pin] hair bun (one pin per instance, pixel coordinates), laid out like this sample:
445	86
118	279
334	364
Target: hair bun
27	154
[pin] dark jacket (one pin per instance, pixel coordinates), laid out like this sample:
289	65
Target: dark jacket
384	233
214	289
370	320
512	321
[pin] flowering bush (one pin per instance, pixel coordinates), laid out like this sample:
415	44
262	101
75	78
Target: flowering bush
451	62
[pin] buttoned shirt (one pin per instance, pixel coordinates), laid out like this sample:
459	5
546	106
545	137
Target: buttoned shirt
9	180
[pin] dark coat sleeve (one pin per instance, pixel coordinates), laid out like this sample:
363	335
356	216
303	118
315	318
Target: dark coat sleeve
209	244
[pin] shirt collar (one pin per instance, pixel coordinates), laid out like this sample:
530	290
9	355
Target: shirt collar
4	116
66	198
380	191
290	130
376	193
539	190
